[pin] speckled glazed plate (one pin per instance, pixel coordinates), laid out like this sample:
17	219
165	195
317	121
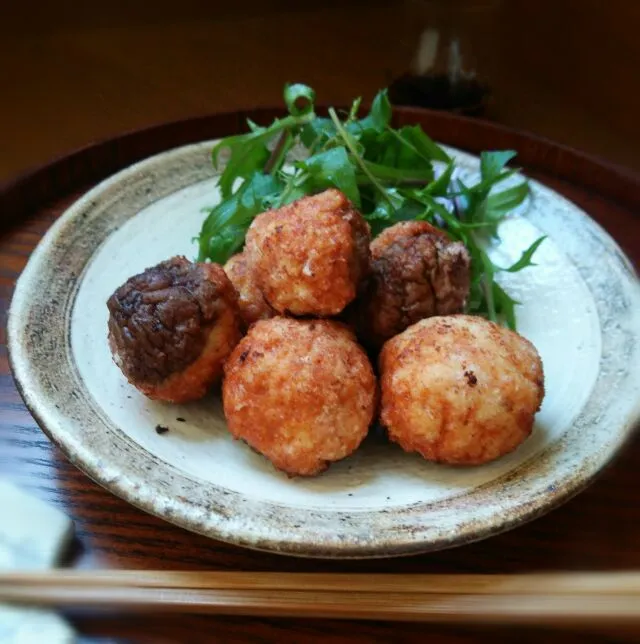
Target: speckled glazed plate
580	307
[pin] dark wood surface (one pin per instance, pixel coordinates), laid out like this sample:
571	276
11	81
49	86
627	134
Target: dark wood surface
76	72
599	529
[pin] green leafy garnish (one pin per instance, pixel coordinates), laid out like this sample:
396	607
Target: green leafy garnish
492	163
526	257
224	229
299	99
378	118
331	169
390	174
422	147
440	187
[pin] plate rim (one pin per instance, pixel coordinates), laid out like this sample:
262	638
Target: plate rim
17	359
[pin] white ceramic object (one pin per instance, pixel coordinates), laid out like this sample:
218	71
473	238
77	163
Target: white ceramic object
580	307
33	536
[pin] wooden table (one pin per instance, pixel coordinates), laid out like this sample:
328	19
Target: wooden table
600	529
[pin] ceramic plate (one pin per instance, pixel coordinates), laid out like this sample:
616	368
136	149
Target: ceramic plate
580	307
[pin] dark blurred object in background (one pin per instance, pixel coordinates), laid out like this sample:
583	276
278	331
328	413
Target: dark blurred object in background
445	73
440	92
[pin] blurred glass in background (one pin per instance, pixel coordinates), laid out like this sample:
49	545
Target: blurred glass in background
446	72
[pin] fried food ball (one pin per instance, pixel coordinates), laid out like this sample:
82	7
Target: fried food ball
459	389
311	255
416	272
253	306
172	326
300	392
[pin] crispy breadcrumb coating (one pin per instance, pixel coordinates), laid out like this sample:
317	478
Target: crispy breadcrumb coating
301	392
311	255
459	389
253	306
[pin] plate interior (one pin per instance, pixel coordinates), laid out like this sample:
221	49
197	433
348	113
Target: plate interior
580	308
557	314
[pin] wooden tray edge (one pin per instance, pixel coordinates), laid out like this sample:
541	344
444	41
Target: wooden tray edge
21	195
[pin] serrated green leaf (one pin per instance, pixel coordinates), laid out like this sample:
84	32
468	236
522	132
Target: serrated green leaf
492	163
229	143
235	214
424	145
409	211
436	208
332	169
245	159
400	151
226	243
379	116
354	153
385	209
393	175
526	259
317	132
440	186
249	152
500	203
485	186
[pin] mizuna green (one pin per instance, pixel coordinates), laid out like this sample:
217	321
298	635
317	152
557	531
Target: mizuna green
388	173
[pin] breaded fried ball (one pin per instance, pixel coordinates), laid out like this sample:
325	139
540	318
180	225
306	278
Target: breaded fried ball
172	326
311	255
300	392
416	272
459	389
253	306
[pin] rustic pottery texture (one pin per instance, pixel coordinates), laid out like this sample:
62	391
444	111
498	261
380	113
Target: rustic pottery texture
580	307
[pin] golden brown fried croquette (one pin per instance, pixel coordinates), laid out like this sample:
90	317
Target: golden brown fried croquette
416	272
311	255
301	392
172	326
253	306
459	389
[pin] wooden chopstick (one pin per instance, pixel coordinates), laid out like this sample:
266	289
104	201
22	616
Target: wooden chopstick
556	598
524	609
530	584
